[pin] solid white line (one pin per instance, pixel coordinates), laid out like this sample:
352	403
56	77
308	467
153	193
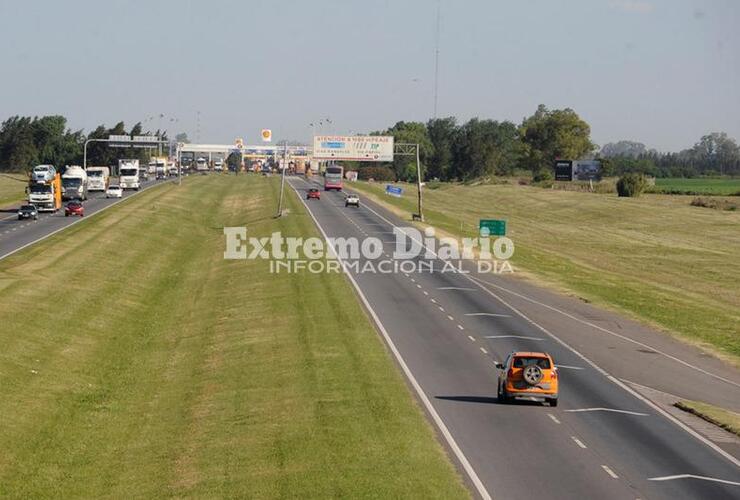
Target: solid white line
553	418
407	371
578	442
489	314
636	413
687	476
569	367
512	337
596	367
456	288
80	219
605	330
610	472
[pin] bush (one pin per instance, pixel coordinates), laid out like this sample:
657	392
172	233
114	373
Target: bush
631	185
543	175
377	173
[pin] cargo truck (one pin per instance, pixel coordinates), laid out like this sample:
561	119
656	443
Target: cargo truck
98	178
46	195
128	174
74	183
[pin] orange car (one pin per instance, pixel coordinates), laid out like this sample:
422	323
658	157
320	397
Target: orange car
528	375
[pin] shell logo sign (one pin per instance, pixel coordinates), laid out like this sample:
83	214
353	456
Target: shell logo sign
266	135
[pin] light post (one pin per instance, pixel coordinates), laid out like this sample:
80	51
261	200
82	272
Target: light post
282	178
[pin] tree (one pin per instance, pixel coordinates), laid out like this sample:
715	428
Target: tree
442	133
410	133
631	149
485	147
716	152
550	135
182	137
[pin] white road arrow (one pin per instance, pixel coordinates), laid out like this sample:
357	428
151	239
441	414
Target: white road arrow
692	476
637	413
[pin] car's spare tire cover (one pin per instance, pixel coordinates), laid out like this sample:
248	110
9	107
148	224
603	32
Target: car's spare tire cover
532	374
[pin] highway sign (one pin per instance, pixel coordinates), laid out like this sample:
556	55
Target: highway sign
266	135
355	147
492	227
393	190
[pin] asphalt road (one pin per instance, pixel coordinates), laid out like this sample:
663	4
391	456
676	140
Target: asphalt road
604	440
17	234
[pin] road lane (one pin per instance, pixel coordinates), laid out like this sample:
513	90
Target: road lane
519	449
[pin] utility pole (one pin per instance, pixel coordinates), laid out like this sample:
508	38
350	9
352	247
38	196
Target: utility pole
418	183
436	61
282	178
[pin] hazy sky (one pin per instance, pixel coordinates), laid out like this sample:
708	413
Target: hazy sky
662	72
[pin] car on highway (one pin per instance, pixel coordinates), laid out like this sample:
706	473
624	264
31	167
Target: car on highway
352	199
313	193
74	208
114	191
43	173
530	375
28	212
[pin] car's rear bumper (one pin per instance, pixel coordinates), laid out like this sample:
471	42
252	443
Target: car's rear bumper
532	394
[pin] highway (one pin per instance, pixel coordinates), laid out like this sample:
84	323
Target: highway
604	440
17	234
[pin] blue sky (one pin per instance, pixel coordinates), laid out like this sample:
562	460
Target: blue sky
662	72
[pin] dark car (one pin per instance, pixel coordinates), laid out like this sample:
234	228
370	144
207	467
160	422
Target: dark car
74	208
28	212
313	193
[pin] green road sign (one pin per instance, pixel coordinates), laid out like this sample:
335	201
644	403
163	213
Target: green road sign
492	227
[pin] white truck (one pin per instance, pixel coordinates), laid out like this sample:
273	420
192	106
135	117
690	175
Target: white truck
128	174
98	178
201	165
74	183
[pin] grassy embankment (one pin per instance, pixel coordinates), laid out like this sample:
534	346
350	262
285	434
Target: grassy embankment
699	186
137	362
654	257
12	189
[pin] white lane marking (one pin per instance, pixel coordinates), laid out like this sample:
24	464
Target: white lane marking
692	476
460	327
606	330
441	308
406	370
568	367
553	418
462	289
578	442
413	280
596	367
512	337
489	314
426	293
471	338
614	410
432	301
418	285
610	472
405	274
450	318
483	350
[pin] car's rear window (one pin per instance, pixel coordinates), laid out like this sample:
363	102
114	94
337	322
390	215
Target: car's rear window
522	361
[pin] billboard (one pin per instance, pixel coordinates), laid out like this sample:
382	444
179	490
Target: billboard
563	170
587	170
354	148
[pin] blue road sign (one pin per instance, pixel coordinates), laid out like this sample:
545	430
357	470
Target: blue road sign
393	190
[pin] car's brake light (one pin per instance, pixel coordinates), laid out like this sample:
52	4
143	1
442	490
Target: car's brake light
510	373
554	374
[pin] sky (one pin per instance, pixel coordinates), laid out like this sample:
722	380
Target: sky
659	72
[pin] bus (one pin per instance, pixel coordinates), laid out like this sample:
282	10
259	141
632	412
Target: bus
333	177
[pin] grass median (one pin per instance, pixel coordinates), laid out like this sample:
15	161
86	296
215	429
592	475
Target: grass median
655	257
136	361
12	188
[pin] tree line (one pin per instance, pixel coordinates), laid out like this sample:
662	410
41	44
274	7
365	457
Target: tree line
483	147
28	141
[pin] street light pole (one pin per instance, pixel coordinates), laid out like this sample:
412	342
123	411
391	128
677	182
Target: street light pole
418	183
282	178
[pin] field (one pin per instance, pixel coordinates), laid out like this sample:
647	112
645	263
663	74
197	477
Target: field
12	189
723	187
137	362
655	257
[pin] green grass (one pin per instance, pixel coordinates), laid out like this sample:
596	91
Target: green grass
728	420
137	362
655	257
12	188
708	186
